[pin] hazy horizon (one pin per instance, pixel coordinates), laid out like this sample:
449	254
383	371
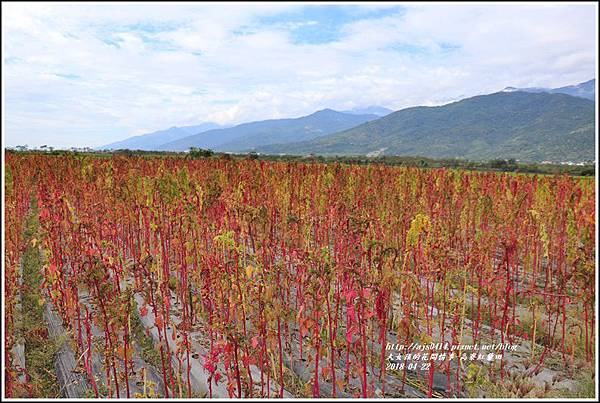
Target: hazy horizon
91	74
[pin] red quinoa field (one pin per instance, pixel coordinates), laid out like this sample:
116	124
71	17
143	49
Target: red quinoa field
224	277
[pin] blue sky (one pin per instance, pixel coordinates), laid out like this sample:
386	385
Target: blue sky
321	24
90	74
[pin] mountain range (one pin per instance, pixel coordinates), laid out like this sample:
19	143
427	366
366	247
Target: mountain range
153	141
248	136
521	125
530	124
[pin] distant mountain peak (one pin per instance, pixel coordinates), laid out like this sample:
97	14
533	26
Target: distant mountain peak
586	89
324	111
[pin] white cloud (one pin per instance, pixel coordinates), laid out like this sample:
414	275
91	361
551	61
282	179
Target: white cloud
92	74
